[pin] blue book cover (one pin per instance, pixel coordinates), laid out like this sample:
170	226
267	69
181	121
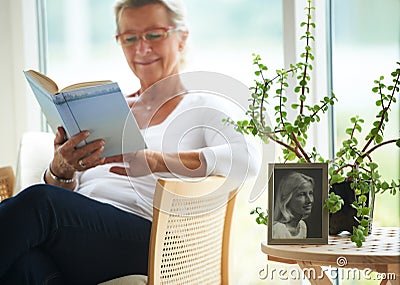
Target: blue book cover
98	107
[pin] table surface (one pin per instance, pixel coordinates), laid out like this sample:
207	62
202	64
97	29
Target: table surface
381	247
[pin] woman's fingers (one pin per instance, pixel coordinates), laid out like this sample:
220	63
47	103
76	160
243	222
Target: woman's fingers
61	137
114	158
119	170
138	163
75	140
81	158
91	160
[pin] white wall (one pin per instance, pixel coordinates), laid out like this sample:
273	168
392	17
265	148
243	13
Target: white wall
18	51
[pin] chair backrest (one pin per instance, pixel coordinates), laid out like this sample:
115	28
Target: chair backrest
7	181
190	231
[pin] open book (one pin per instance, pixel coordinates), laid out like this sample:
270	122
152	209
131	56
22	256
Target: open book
97	106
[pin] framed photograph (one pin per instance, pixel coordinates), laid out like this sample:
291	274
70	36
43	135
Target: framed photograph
296	196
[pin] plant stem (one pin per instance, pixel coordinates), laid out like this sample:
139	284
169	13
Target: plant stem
378	146
285	145
316	112
385	110
303	88
299	147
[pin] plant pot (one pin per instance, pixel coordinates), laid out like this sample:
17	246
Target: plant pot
344	220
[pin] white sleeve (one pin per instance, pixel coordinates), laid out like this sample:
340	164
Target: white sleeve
227	151
237	157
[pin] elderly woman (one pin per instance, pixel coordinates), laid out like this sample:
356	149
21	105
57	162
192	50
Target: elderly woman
293	204
90	220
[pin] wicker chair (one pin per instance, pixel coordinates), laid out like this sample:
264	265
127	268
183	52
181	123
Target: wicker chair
190	232
7	181
191	223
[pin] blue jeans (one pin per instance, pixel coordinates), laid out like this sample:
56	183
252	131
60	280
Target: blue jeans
50	235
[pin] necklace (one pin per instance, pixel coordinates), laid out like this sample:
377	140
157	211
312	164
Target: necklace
147	107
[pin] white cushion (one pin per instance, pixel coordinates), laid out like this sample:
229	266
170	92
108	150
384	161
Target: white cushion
35	153
127	280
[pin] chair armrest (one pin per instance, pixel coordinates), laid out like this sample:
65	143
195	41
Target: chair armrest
35	154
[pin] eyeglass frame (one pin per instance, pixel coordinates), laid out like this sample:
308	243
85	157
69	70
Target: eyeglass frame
141	35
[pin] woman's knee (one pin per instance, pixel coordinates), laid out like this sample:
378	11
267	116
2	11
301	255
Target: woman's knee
40	193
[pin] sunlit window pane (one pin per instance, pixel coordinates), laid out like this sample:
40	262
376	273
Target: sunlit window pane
222	39
224	34
367	45
84	48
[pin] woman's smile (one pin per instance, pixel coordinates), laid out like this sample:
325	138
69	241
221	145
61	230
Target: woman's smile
151	60
147	62
307	208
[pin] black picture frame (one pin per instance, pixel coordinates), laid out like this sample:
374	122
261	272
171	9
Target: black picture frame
309	203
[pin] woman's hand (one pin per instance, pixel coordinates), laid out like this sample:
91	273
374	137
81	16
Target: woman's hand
68	158
144	162
139	163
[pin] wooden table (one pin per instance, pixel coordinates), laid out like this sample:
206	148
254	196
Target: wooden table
380	252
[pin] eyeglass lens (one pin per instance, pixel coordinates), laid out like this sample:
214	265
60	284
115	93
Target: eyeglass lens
152	35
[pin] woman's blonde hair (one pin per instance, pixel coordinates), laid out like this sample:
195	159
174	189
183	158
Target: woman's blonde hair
176	10
288	186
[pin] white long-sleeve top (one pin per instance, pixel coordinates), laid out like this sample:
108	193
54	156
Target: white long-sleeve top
195	124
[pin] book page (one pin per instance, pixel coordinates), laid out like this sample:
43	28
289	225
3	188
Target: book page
44	81
47	83
85	84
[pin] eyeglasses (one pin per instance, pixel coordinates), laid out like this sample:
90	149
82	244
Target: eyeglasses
151	35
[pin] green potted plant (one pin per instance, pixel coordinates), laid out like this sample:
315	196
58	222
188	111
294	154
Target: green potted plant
353	166
353	163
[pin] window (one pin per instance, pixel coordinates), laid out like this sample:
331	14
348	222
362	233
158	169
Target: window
224	34
85	49
366	45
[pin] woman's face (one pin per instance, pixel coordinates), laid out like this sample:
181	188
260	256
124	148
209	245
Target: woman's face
151	61
302	200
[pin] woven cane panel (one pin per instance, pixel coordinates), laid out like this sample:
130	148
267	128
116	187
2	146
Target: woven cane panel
193	243
5	188
198	206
